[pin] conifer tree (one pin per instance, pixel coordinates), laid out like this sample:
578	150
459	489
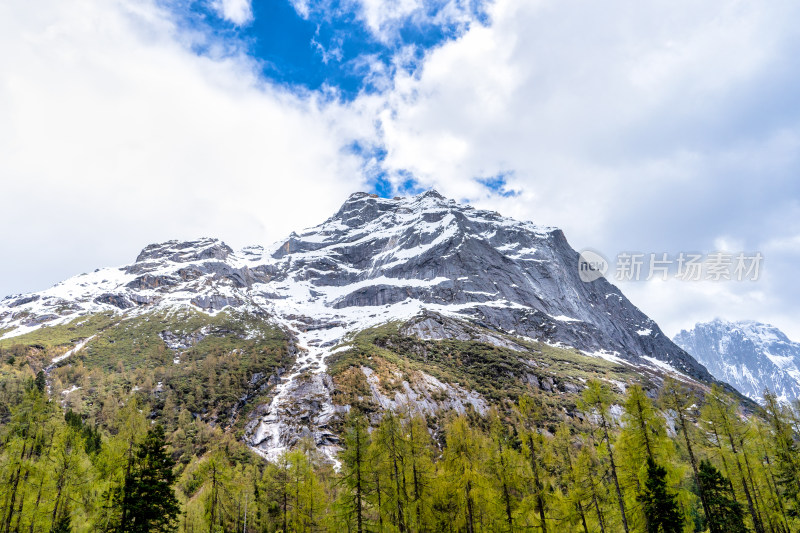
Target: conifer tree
533	446
787	454
389	455
505	469
679	400
355	467
586	468
420	469
29	434
767	455
149	502
462	458
596	399
41	381
660	508
719	413
725	514
569	480
64	524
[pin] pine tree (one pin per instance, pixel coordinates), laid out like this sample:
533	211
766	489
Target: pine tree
389	454
719	413
533	447
767	456
304	487
586	468
64	524
787	453
724	514
596	399
354	465
41	381
679	400
149	502
420	469
642	427
462	457
505	469
29	434
574	495
660	507
68	455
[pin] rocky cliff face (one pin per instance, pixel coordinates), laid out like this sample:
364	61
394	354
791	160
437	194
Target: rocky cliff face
749	355
376	260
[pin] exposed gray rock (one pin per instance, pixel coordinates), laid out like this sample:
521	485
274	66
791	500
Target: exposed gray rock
433	326
143	299
465	273
176	342
476	257
749	355
39	320
24	300
215	302
148	281
305	411
185	251
117	300
427	396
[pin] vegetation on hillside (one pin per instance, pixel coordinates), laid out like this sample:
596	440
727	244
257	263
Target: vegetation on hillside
149	445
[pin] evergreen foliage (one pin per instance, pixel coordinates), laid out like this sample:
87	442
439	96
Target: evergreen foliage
149	502
725	514
591	459
658	503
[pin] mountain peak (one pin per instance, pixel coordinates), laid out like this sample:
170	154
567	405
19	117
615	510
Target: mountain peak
376	261
185	251
750	355
431	193
756	331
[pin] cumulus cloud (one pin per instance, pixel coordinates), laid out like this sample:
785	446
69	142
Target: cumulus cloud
650	127
240	12
656	127
114	134
385	19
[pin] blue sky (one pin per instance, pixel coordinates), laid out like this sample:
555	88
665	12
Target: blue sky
328	45
332	48
654	127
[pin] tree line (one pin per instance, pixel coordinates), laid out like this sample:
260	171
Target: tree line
632	462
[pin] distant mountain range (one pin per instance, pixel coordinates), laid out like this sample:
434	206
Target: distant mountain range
749	355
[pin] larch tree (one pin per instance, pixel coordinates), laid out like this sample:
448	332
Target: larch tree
596	401
726	429
355	467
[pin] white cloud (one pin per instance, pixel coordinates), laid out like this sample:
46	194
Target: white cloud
113	134
385	19
657	127
240	12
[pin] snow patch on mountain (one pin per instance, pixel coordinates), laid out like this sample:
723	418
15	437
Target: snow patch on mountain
374	261
749	355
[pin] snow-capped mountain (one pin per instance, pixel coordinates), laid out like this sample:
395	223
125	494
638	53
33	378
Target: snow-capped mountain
749	355
374	261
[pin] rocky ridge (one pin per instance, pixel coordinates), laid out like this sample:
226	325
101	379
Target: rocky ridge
749	355
376	260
